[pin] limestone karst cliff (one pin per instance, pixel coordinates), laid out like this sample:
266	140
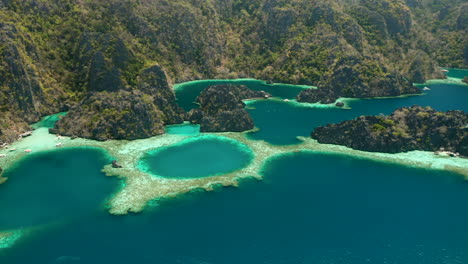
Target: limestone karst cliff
62	54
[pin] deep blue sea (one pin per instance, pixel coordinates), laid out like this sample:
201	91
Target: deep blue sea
310	208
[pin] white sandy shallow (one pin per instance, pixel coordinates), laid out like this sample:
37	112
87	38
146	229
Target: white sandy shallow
138	187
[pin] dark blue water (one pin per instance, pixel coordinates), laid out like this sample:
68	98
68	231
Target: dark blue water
280	122
310	209
197	157
50	186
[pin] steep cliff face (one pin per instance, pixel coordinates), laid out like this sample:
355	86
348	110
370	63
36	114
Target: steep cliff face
406	129
56	54
222	110
124	113
23	98
120	103
358	78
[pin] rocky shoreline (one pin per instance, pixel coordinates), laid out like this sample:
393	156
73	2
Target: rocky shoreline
406	129
100	59
222	110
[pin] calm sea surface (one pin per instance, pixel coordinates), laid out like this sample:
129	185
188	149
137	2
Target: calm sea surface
310	208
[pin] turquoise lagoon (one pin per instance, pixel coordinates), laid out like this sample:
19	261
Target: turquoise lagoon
49	121
310	207
456	73
197	157
183	129
188	92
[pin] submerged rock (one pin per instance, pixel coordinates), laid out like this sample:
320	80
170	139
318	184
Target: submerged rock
116	165
340	104
222	110
406	129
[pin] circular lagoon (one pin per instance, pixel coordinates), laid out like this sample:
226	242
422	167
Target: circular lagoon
197	157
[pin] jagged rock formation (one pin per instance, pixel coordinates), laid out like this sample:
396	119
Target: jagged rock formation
135	113
222	110
22	97
120	103
353	77
406	129
56	54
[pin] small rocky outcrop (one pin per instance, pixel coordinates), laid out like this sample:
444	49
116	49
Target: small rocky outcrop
222	110
312	95
116	165
406	129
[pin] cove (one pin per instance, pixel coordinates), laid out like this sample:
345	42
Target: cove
187	93
49	121
310	208
281	122
456	73
183	129
51	186
197	157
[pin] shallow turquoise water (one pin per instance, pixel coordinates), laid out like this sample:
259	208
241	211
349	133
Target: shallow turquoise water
187	93
50	186
457	73
310	208
183	129
49	121
197	157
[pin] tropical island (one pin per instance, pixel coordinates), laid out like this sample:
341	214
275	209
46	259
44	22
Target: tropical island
168	98
406	129
111	64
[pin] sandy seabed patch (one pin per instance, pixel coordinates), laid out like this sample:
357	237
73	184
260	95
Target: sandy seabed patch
8	238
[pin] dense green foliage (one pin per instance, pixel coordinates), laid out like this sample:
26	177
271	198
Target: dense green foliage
53	53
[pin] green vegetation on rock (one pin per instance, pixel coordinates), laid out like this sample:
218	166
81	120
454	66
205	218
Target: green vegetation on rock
222	110
61	54
406	129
